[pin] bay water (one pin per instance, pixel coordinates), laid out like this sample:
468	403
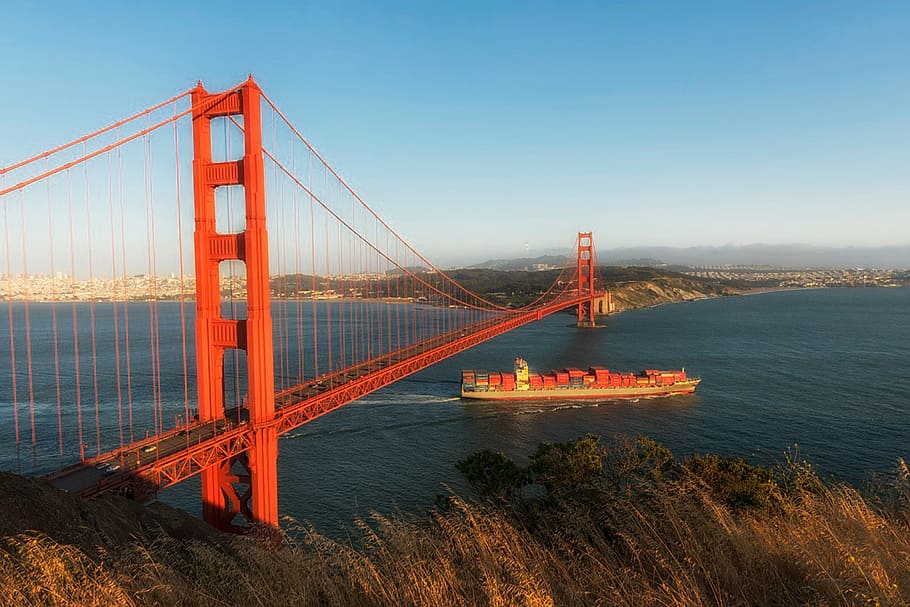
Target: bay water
825	372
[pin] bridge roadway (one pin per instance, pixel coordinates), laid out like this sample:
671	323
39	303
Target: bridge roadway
145	466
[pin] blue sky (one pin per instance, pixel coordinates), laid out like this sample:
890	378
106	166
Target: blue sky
477	127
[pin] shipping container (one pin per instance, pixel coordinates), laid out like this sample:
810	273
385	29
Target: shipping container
596	382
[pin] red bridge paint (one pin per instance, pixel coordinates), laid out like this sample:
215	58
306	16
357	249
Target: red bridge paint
286	372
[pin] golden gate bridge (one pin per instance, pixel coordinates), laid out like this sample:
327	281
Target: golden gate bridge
301	299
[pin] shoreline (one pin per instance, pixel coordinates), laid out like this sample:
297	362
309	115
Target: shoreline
733	293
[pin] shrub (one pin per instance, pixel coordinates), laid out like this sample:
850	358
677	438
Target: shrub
564	467
493	475
736	482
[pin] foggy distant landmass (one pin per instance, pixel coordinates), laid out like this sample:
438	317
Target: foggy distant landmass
542	262
790	256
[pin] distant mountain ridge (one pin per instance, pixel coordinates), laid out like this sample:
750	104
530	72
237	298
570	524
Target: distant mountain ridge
544	262
789	256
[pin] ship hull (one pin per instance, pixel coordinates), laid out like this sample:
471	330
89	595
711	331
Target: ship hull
682	387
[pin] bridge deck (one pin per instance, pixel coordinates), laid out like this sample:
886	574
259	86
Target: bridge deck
163	460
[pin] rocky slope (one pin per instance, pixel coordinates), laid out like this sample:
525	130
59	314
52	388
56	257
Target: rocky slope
666	289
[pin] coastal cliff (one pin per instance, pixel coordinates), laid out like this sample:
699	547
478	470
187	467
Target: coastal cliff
666	289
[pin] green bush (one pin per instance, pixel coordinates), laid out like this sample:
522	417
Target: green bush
564	467
735	481
493	475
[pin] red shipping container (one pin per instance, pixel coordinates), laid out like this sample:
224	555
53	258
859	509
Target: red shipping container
495	379
574	372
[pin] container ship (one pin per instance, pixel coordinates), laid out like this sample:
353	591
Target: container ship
596	382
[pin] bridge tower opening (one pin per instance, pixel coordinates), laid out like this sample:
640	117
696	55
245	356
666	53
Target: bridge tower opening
586	278
246	484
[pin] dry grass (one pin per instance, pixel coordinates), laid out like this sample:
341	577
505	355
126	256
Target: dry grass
668	542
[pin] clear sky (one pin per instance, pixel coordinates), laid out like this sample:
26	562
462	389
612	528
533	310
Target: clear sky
477	127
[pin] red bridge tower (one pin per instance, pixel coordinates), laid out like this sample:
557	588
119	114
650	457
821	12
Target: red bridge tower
586	278
246	484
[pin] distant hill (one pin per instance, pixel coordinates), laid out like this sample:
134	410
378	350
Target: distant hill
632	286
772	256
543	262
791	256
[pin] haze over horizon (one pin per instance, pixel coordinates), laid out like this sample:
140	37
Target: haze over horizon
474	129
758	254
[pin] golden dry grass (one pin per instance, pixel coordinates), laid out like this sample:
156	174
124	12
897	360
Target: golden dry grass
671	542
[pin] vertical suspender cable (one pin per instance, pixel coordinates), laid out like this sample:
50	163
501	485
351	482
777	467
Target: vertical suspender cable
156	343
51	239
12	338
186	389
313	272
398	302
150	270
355	306
297	269
78	378
341	302
28	324
379	308
289	379
91	306
328	302
328	285
388	294
28	336
275	245
126	306
116	306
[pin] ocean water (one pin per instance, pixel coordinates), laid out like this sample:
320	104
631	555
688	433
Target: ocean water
826	371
